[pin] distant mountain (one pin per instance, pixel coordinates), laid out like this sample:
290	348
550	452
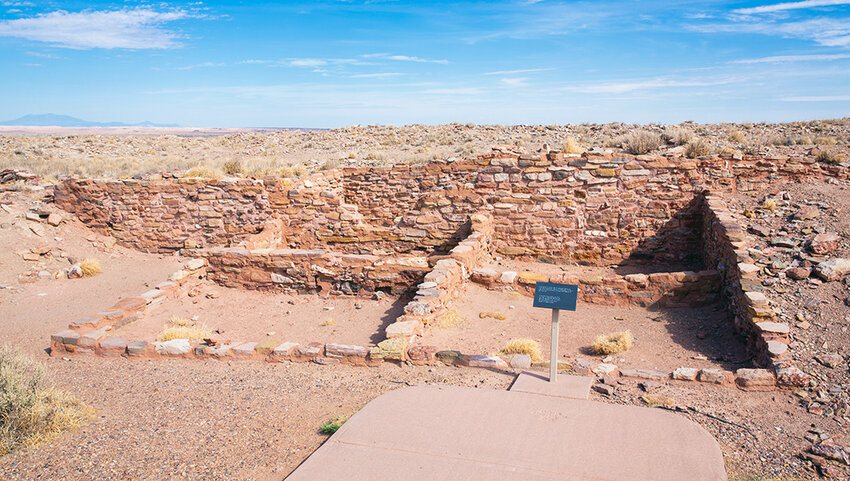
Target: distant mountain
54	120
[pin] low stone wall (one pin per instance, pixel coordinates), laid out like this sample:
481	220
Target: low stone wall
665	289
315	270
725	247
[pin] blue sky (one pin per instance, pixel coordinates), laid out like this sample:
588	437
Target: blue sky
337	63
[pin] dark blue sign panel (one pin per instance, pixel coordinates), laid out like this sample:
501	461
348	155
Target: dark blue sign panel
555	296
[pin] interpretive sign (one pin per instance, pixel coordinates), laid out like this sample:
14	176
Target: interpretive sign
552	295
555	296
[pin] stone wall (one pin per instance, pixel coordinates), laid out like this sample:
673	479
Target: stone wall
725	247
600	208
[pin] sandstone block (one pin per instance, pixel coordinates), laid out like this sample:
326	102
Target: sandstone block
685	374
403	329
833	269
712	376
755	379
174	347
479	360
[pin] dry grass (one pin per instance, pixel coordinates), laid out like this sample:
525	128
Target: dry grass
697	148
826	141
32	413
232	167
180	321
90	267
493	315
524	346
613	343
182	328
769	204
328	322
642	142
677	135
658	400
451	318
204	172
737	136
571	146
828	157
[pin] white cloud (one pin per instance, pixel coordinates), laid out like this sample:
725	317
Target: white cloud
453	91
512	72
378	75
651	84
818	98
202	65
139	28
514	81
795	58
830	32
780	7
403	58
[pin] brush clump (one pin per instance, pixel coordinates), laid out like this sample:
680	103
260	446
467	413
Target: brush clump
524	346
613	343
182	328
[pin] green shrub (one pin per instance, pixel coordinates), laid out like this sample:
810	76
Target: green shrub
332	425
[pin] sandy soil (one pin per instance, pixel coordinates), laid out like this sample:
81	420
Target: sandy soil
240	315
664	339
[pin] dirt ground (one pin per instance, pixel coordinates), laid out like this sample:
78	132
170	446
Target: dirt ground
242	315
664	339
189	419
502	265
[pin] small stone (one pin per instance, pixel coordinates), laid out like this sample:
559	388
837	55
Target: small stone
605	369
798	273
833	269
54	219
650	386
604	389
521	361
685	374
174	347
830	360
824	243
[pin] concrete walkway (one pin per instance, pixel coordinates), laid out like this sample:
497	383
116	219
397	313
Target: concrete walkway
447	432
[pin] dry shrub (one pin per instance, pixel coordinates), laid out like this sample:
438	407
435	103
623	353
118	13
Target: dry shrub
613	343
826	141
32	413
181	328
737	136
451	318
180	321
677	135
203	172
571	146
90	267
494	315
769	204
658	400
524	346
642	142
328	322
697	148
232	167
828	157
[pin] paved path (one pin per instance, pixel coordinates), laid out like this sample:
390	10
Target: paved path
448	432
571	387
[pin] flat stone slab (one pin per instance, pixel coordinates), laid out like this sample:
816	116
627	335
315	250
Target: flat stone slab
570	387
449	432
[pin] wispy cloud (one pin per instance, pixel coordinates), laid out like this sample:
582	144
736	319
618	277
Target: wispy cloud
202	65
514	81
795	58
513	72
378	75
403	58
138	28
781	7
830	32
650	84
818	98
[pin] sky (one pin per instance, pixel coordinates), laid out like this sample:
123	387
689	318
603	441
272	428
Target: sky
339	63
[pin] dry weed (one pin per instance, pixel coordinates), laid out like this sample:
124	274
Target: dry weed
524	346
642	142
493	315
613	343
90	267
451	318
571	146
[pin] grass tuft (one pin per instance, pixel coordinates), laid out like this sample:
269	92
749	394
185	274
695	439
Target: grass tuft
524	346
613	343
328	322
571	146
769	204
642	142
332	425
232	167
828	157
32	413
90	267
494	315
451	318
203	172
697	148
181	328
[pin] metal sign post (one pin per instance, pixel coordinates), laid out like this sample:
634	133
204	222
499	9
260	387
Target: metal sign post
555	296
